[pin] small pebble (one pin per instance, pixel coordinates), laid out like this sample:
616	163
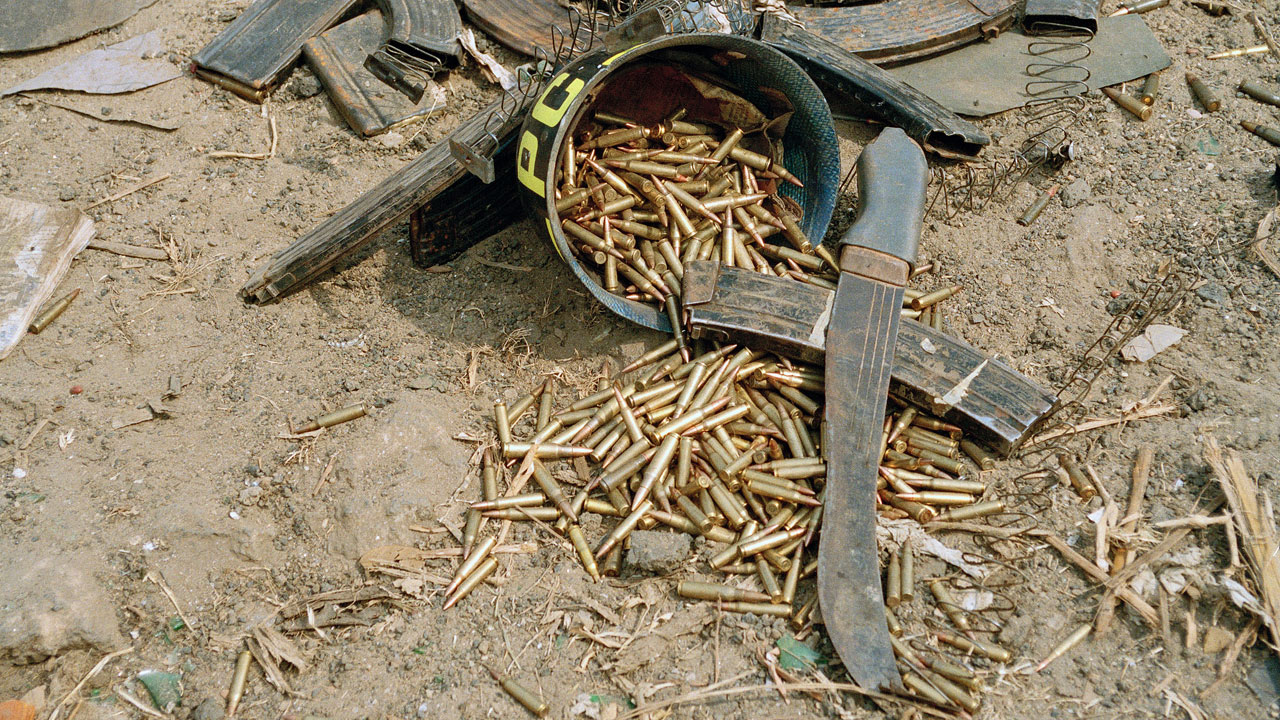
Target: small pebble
76	389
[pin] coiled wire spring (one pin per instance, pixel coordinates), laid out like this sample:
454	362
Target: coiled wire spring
1057	80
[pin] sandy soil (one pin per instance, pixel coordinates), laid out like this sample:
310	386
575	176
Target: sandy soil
238	519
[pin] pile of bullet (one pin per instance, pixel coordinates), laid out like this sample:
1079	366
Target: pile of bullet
640	201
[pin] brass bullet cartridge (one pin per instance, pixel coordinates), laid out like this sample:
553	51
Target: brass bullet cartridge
777	480
611	119
675	157
700	521
545	514
968	512
927	434
502	423
1130	103
979	455
1150	88
695	590
717	420
1072	640
792	579
481	551
471	530
656	469
921	687
477	576
728	202
1140	6
1271	135
1237	52
1038	206
615	137
942	448
521	694
902	422
44	319
625	412
734	513
584	552
545	452
639	229
238	678
934	297
938	497
895	626
511	501
519	407
908	571
691	418
601	507
772	540
935	425
624	469
756	608
920	513
611	178
971	487
937	460
763	163
792	232
1079	482
575	198
953	672
611	566
646	359
679	522
956	694
948	605
770	490
768	580
893	582
337	417
717	533
569	162
727	145
623	528
545	398
1202	92
648	167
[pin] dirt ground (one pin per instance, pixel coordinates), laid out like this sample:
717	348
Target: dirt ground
236	519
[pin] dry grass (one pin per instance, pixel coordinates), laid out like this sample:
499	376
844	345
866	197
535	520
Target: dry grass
1256	528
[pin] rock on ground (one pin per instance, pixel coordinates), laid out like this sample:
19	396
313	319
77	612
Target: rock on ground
657	552
50	606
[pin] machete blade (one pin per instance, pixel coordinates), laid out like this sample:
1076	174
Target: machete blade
860	349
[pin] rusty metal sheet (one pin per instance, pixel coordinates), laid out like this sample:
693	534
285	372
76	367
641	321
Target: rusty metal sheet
896	31
28	26
991	77
522	25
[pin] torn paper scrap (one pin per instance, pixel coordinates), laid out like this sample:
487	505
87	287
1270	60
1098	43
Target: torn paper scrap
37	244
130	65
1151	342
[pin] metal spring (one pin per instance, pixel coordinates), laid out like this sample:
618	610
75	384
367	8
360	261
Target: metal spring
1056	84
420	63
